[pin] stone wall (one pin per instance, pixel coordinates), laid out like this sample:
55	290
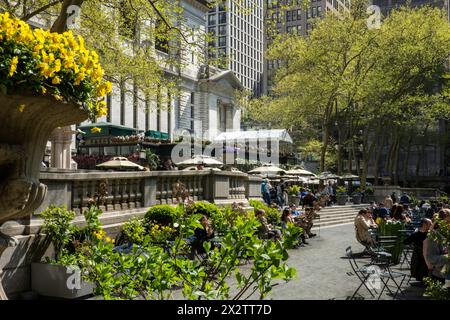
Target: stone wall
130	194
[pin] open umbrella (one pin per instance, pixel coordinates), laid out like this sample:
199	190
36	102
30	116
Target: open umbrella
327	175
300	172
313	181
196	169
201	159
349	176
120	163
268	170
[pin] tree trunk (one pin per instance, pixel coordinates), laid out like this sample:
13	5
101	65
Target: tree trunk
378	158
323	152
406	161
421	153
395	163
60	24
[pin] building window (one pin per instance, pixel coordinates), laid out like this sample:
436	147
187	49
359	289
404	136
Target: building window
212	20
212	31
222	42
314	12
222	18
319	11
222	30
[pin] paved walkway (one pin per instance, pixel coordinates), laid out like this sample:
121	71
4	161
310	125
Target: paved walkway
322	269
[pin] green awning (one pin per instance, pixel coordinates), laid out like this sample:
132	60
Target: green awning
157	135
108	129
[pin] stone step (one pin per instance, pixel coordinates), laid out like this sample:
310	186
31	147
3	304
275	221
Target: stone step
332	223
351	215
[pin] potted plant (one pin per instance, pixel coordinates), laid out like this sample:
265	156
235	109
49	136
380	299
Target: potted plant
357	196
293	192
341	195
47	80
369	195
60	276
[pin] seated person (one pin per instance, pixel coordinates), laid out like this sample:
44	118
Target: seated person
286	218
435	253
203	234
381	212
364	222
266	230
419	268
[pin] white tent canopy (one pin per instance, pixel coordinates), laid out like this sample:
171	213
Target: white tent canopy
275	134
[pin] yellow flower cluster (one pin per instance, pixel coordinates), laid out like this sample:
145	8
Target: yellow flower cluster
158	231
96	130
100	234
60	58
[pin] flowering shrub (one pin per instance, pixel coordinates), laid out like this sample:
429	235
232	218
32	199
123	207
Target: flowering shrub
50	63
159	233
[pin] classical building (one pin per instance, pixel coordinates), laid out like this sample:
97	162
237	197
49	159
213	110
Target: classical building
204	102
236	28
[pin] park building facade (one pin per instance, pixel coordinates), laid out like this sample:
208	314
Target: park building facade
203	103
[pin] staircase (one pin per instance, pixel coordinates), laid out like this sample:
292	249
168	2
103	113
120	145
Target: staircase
338	215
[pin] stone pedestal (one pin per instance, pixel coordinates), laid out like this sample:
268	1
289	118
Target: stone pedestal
61	140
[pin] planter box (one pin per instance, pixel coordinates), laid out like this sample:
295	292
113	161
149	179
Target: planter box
58	282
341	199
294	199
357	199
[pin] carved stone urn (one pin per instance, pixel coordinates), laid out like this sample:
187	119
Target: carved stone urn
26	123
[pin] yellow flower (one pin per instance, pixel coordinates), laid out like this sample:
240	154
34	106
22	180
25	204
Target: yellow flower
21	108
57	97
43	90
96	130
13	67
108	239
56	80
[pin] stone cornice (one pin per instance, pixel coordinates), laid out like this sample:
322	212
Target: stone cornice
200	4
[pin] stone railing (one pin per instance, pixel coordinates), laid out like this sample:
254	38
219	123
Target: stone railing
126	191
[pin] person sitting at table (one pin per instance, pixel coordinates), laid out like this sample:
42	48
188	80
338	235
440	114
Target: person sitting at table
266	230
363	223
206	233
419	268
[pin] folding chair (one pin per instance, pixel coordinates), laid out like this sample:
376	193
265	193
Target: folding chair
363	273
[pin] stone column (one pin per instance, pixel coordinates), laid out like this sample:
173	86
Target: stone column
61	140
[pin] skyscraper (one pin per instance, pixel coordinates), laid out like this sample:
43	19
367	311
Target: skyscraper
290	16
237	32
387	5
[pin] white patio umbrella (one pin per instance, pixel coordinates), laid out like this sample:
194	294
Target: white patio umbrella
196	169
313	181
327	176
201	159
300	172
268	171
349	176
120	163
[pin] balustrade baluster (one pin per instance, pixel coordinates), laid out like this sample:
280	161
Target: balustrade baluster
139	199
132	188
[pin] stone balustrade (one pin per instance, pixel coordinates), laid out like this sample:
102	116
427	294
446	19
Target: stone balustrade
126	191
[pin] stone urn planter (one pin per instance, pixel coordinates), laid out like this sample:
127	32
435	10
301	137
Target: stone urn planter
341	198
356	198
58	281
26	123
294	199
